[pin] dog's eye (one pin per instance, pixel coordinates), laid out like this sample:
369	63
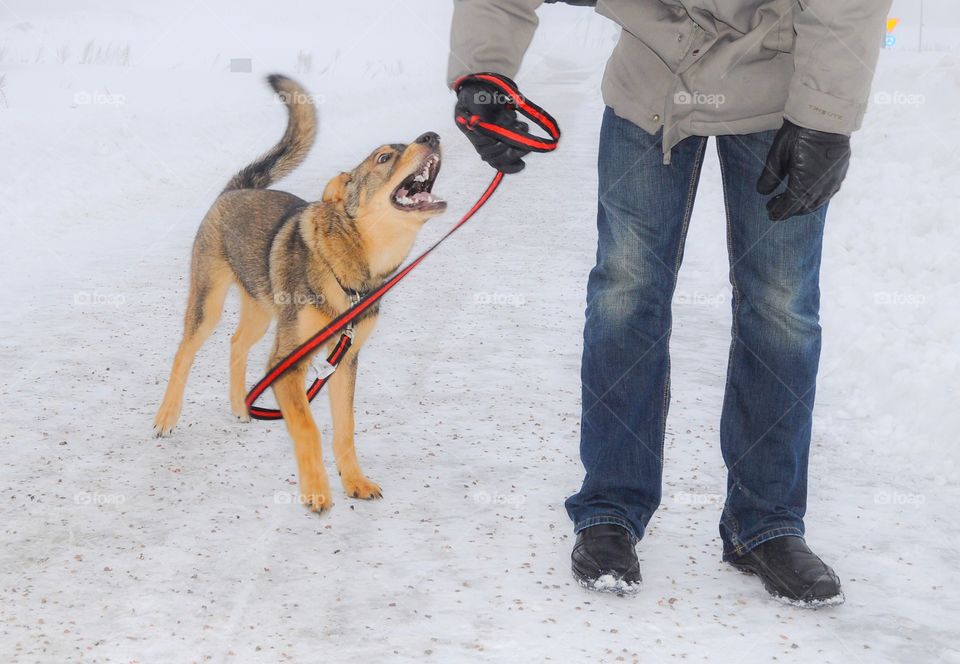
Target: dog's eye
383	157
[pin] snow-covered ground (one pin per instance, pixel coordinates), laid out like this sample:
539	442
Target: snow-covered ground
120	122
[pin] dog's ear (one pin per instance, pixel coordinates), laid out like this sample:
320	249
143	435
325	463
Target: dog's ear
335	192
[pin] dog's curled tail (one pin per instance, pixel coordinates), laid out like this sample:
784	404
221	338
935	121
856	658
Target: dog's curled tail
292	149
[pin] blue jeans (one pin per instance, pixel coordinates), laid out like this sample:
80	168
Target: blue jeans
643	213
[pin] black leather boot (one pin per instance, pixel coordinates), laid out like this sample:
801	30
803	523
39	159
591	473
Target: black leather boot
792	573
605	559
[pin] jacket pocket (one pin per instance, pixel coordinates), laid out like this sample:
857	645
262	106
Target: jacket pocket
778	26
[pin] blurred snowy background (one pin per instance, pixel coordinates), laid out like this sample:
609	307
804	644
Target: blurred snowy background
120	122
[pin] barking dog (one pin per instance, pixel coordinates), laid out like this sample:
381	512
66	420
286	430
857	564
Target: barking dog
302	263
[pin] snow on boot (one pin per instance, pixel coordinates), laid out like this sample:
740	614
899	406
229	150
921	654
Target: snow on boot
792	573
605	559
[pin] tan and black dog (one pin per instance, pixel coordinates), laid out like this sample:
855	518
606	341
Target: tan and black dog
301	263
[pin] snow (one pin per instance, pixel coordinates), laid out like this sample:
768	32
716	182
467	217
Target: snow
121	122
608	583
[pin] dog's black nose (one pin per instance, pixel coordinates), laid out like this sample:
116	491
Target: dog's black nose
431	138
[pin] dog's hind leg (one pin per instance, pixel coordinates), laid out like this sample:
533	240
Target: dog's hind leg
208	290
342	386
254	321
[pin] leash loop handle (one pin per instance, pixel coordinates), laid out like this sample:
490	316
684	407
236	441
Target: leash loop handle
519	139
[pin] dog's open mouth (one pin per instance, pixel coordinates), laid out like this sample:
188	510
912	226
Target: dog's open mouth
413	194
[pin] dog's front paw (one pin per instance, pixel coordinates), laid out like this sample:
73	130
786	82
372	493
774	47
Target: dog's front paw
166	419
241	413
315	494
360	487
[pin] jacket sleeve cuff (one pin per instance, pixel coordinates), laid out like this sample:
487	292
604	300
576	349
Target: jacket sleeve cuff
813	109
455	73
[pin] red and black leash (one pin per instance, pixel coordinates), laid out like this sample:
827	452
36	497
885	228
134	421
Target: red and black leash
343	322
515	138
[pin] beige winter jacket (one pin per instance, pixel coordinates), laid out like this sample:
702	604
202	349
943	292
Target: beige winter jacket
706	67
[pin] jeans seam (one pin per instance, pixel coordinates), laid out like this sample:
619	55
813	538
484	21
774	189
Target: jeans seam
687	214
731	519
733	279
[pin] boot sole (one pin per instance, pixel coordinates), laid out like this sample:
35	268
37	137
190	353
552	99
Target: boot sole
811	603
608	583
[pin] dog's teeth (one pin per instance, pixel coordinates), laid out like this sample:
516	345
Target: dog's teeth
424	173
425	197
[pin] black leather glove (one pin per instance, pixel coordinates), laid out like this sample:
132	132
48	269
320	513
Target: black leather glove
492	106
811	163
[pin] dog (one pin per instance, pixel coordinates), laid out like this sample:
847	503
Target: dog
303	264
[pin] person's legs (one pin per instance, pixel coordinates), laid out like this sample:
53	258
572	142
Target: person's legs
775	349
643	212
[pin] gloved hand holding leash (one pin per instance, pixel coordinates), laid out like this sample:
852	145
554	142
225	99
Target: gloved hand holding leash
486	112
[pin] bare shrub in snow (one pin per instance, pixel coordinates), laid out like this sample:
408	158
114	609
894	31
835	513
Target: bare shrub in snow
304	62
105	55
